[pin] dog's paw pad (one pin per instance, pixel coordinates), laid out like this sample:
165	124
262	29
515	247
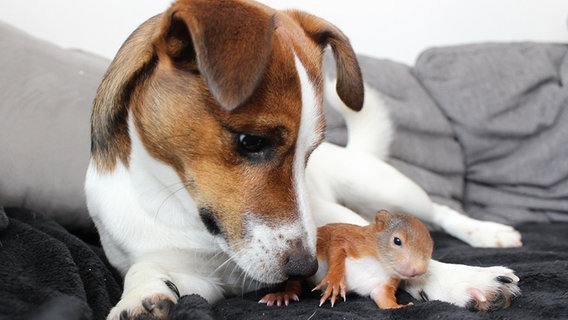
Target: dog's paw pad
500	297
156	307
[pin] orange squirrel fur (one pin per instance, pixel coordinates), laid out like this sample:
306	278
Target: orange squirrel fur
369	260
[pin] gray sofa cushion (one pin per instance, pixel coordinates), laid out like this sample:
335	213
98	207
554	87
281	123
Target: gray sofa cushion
45	101
508	104
482	128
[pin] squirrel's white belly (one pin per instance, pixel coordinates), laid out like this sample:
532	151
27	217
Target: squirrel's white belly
362	276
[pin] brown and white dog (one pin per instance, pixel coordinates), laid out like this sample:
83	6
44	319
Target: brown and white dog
201	133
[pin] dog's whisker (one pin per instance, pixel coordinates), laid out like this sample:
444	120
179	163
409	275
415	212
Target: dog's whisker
179	186
231	258
222	265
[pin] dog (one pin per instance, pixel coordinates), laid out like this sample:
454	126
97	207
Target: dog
203	133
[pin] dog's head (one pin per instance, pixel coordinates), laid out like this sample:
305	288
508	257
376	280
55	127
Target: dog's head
229	95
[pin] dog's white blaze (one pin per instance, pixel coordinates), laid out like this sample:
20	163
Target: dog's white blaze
159	187
308	136
264	254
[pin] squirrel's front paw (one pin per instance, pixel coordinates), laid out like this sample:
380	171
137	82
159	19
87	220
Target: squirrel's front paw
335	287
279	297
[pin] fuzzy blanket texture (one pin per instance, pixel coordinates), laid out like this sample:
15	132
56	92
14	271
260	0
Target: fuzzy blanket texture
48	273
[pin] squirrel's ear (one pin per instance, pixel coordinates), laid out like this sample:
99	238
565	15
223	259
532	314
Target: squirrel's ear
382	219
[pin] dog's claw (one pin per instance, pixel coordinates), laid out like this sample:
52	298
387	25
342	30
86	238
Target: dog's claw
173	287
504	279
424	296
147	305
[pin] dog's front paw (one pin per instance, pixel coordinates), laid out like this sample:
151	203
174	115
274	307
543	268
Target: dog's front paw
154	307
137	304
475	288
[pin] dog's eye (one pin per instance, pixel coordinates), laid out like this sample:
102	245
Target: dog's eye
252	144
397	242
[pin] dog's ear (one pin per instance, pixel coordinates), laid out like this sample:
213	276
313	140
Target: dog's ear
134	61
349	79
229	43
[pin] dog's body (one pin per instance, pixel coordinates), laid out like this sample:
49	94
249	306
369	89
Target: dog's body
357	177
201	133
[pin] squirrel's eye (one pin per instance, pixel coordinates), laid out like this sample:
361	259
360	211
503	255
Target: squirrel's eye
397	241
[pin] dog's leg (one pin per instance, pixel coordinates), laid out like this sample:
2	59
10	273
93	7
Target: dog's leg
399	193
475	288
476	233
150	291
329	212
367	184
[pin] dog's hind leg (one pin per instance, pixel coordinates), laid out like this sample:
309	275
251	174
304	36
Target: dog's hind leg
325	212
366	184
475	288
476	233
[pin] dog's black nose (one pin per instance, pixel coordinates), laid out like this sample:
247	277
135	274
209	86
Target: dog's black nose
300	264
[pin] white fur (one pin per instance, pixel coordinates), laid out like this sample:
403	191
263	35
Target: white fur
308	137
371	121
150	230
362	276
457	283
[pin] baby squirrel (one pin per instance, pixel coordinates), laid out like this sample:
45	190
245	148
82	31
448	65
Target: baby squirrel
369	260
